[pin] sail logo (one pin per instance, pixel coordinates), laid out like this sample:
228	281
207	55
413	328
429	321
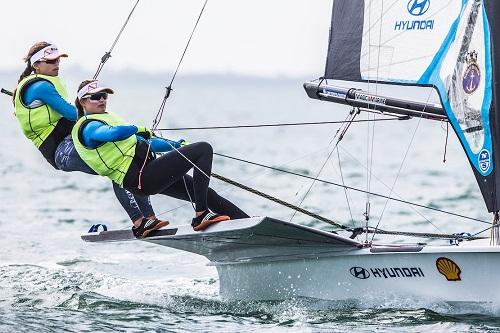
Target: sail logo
386	273
472	75
418	7
484	160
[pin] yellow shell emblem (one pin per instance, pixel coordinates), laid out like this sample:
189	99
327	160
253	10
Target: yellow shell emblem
449	269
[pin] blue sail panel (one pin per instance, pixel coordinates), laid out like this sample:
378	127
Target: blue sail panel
449	45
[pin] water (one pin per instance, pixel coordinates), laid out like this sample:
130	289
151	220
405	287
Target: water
51	281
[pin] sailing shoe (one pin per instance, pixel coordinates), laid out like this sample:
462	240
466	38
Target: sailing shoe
147	226
207	218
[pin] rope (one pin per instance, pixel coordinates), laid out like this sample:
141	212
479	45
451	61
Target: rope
403	161
446	143
343	184
355	231
279	201
423	234
107	55
273	125
350	188
168	90
343	129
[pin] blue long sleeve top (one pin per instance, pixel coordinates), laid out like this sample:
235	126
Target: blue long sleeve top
44	91
95	133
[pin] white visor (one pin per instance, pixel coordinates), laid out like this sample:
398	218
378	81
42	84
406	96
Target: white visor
49	52
92	88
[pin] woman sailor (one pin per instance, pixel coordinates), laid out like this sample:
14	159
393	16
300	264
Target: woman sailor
46	118
120	151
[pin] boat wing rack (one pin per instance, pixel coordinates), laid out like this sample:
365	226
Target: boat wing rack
242	240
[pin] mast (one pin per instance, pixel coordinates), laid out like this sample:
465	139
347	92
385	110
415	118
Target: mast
492	8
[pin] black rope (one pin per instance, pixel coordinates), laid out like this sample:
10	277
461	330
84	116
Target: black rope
107	55
274	125
350	188
355	231
446	143
421	234
279	201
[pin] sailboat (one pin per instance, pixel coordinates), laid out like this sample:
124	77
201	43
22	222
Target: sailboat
450	46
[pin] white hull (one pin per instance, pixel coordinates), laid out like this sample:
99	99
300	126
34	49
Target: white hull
330	277
267	259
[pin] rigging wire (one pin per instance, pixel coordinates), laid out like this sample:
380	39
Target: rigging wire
403	161
370	148
168	90
277	124
342	130
355	231
343	185
107	55
387	186
350	188
435	14
230	188
366	214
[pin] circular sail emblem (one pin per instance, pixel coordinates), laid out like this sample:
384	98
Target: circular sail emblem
472	75
483	160
418	7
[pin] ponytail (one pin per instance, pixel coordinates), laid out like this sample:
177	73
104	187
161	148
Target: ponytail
79	108
27	71
29	66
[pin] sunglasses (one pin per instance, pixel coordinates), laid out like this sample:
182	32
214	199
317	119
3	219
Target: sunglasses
98	96
51	62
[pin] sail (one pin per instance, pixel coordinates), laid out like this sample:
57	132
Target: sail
449	45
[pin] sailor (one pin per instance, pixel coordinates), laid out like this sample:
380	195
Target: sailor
46	118
114	148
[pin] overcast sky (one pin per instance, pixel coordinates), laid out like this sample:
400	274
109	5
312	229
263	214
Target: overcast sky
253	37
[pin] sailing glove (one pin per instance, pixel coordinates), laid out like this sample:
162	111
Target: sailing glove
144	132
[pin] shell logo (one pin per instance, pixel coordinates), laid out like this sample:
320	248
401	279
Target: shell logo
449	269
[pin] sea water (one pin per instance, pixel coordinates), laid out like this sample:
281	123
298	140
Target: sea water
51	281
